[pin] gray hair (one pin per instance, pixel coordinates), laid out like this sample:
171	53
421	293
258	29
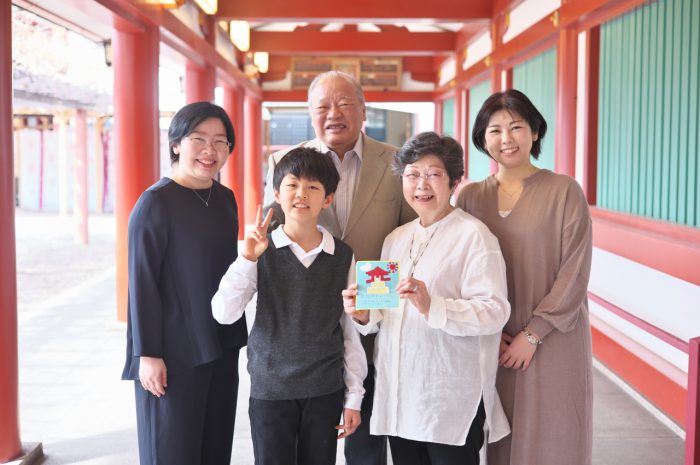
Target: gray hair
337	74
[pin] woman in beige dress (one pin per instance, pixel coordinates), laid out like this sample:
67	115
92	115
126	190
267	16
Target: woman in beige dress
543	225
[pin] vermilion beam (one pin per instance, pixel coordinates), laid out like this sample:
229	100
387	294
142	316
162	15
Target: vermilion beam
353	42
10	446
391	11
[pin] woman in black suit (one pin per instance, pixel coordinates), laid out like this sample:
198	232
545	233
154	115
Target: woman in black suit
182	238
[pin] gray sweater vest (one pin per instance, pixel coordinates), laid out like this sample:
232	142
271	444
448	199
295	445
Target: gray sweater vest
295	349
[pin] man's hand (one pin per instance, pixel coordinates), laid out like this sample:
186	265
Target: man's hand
351	420
153	375
255	241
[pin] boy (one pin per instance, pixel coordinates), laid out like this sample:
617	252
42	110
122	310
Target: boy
304	356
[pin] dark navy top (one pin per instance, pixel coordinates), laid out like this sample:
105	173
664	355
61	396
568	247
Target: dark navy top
179	249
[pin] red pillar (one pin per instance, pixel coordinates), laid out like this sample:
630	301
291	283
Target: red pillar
496	86
80	178
439	105
200	81
232	176
459	116
135	131
253	160
565	136
590	115
692	416
10	446
466	136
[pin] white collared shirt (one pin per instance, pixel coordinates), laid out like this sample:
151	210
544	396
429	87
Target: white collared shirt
431	373
349	170
239	284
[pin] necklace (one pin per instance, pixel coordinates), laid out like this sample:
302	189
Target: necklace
509	194
205	202
420	251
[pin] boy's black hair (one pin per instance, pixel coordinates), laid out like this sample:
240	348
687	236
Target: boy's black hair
189	117
514	101
307	163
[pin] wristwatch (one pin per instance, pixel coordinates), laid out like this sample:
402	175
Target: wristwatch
531	338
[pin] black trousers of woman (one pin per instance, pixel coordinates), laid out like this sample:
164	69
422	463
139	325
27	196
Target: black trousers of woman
192	424
408	452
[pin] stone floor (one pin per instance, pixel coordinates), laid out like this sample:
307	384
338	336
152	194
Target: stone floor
72	349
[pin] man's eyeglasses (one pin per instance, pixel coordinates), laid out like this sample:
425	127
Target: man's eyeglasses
430	176
199	143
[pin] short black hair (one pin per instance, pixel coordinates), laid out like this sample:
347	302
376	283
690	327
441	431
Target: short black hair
514	101
430	143
307	163
189	117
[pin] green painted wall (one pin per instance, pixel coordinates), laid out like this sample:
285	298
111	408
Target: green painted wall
448	117
649	108
536	78
478	162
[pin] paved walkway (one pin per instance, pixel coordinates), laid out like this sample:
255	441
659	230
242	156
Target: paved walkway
72	350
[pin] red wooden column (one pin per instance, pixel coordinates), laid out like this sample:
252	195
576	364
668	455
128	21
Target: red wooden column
200	80
459	116
590	115
496	86
199	83
232	176
253	160
466	136
565	136
10	446
439	107
80	178
135	131
692	416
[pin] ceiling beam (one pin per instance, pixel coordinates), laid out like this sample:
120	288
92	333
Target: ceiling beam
352	42
387	11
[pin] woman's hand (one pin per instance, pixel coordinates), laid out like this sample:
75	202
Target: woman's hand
518	354
255	241
351	420
506	339
415	291
153	375
361	316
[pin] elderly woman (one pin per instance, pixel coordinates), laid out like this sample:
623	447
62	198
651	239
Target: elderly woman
543	225
436	356
182	239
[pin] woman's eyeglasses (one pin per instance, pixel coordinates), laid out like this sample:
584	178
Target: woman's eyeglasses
430	176
199	143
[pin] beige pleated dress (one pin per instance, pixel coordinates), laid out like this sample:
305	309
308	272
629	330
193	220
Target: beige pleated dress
546	244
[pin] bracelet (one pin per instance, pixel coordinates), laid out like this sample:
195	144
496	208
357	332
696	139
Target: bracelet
531	338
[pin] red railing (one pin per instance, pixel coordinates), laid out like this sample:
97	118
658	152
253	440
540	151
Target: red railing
692	348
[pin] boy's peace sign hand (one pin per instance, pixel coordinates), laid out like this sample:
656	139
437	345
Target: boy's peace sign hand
255	241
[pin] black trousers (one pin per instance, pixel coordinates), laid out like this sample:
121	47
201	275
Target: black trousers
193	422
361	448
407	452
296	431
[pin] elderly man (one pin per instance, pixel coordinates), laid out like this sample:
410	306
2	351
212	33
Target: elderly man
368	205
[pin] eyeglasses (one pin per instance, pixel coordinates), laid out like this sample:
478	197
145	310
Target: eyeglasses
219	145
431	176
